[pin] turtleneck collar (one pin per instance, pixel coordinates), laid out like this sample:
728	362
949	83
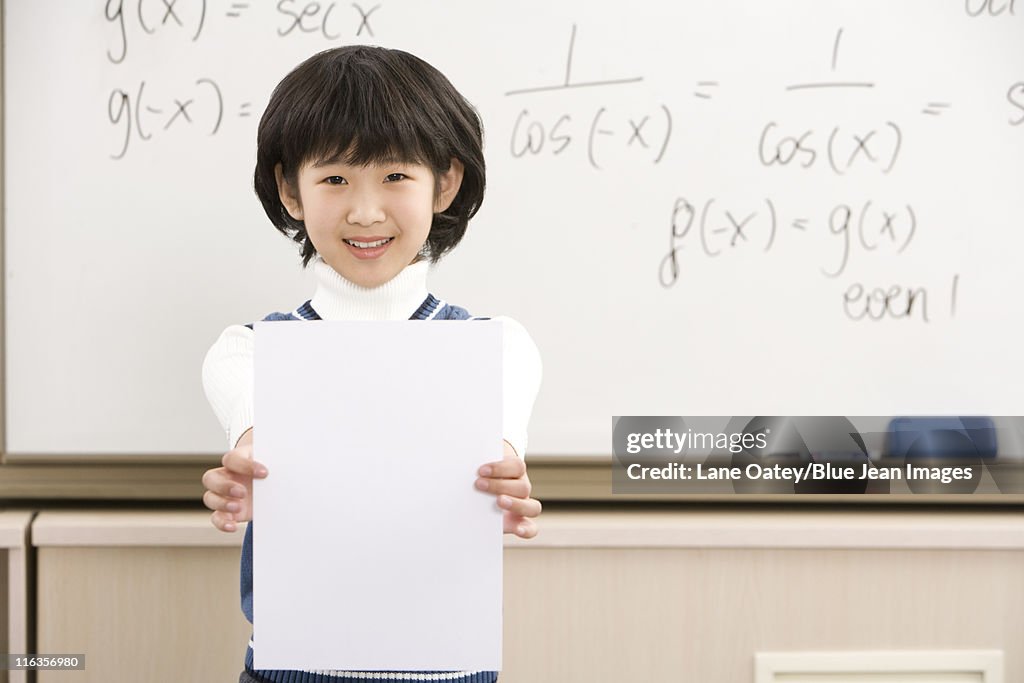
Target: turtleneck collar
336	298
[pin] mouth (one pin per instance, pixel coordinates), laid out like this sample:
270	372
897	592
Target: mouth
368	249
369	245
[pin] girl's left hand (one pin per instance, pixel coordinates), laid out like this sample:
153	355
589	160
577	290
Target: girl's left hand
508	480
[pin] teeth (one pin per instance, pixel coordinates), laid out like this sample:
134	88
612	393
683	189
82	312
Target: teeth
367	245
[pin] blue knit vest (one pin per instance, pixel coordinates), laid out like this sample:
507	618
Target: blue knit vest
432	308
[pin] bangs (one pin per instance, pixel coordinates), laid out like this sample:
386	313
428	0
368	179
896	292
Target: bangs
370	116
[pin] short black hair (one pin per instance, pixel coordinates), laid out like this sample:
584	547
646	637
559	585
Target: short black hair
367	104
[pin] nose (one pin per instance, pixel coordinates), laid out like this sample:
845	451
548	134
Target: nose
366	208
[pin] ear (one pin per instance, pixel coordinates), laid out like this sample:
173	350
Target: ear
448	185
288	194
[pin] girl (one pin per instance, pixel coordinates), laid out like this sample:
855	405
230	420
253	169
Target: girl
372	162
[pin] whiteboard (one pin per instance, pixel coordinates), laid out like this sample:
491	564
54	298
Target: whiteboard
701	208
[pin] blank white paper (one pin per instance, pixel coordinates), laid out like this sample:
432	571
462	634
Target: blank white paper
372	549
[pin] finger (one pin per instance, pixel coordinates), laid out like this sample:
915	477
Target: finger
217	502
223	521
519	488
233	510
225	483
509	468
239	461
522	507
521	527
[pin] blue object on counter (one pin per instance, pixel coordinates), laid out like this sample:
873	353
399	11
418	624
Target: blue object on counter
941	437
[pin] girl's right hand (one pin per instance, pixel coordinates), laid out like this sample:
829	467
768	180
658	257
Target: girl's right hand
229	487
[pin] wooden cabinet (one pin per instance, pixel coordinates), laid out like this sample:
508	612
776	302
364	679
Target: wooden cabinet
602	594
14	589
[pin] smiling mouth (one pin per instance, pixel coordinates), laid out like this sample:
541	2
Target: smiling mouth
369	245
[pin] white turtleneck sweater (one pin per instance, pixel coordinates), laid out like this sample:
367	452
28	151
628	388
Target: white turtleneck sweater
228	366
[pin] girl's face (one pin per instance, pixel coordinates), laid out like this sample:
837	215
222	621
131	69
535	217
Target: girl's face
368	222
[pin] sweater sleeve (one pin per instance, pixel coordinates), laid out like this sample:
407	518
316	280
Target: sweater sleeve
228	381
521	375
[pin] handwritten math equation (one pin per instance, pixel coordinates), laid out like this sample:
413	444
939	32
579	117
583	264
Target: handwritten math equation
534	136
187	19
606	134
645	136
650	133
140	112
716	230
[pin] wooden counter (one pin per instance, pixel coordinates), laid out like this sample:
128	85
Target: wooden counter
688	594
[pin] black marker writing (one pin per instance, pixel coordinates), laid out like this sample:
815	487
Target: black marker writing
568	82
117	16
830	85
646	135
719	230
953	295
118	110
683	214
141	114
724	229
874	228
365	22
309	16
894	302
992	8
843	148
786	149
1015	96
152	16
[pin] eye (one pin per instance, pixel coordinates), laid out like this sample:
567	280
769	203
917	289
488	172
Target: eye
392	177
335	180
